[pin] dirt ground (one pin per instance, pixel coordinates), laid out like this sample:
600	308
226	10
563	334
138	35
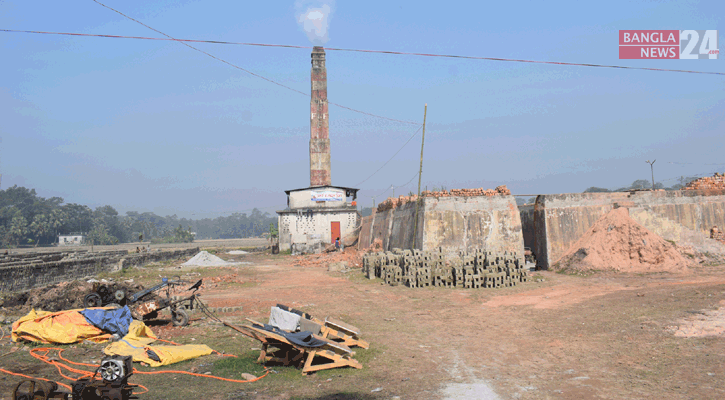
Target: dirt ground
559	336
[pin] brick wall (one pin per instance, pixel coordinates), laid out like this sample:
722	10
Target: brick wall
15	276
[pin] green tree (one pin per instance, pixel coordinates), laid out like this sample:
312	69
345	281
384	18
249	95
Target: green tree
100	235
18	229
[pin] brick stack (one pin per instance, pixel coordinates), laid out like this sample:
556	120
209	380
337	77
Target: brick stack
395	202
716	181
499	191
470	270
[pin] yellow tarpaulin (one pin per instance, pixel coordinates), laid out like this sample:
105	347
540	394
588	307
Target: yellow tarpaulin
137	344
65	327
62	327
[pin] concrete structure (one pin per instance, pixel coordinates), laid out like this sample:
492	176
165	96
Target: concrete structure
320	170
316	216
72	239
555	222
489	223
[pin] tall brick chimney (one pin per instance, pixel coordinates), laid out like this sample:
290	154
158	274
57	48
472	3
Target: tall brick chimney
319	122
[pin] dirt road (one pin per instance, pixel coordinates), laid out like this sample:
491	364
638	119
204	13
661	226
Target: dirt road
656	336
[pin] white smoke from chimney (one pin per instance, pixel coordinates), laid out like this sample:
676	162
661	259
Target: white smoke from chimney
314	19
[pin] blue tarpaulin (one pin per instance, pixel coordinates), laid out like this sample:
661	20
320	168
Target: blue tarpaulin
114	321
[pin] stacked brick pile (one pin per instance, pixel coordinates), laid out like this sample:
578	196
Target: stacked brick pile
471	270
500	190
716	181
392	202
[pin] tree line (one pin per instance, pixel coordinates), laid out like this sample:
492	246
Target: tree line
29	219
644	184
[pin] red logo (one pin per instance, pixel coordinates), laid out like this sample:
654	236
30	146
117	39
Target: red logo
639	44
669	44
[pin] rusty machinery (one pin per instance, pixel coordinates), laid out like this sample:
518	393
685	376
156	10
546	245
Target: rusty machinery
146	303
113	385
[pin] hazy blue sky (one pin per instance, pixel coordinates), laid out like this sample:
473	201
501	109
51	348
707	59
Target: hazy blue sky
156	126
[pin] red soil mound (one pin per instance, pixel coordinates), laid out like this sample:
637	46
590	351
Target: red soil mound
617	242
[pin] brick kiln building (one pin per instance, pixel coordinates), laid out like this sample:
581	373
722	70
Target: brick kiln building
317	215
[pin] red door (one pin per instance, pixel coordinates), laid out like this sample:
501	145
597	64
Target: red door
335	230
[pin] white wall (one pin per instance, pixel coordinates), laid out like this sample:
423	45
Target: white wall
70	240
303	199
299	227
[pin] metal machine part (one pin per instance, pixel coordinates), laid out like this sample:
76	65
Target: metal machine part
114	370
30	389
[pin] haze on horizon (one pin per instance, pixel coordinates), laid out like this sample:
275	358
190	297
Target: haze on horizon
155	126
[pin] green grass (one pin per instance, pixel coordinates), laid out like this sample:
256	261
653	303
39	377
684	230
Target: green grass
230	367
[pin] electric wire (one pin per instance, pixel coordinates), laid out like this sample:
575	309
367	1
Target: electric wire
390	159
518	60
399	186
248	71
689	163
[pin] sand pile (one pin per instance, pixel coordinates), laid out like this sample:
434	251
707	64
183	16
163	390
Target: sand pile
204	259
617	242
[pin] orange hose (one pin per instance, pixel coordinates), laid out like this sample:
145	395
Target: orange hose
30	377
201	375
35	353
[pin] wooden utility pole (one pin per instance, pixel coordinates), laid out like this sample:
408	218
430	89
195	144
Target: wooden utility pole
420	173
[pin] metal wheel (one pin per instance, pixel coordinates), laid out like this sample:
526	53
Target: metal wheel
92	300
179	317
119	295
33	390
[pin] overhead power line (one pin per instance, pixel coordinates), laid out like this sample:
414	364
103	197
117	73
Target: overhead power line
246	70
404	53
689	163
393	156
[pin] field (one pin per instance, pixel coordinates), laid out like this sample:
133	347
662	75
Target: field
211	243
559	336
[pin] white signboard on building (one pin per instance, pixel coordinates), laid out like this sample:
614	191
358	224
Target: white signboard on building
327	196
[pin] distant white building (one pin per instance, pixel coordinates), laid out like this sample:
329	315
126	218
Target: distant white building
73	239
316	216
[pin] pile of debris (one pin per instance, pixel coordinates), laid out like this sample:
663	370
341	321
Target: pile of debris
617	242
350	257
716	181
471	270
58	297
